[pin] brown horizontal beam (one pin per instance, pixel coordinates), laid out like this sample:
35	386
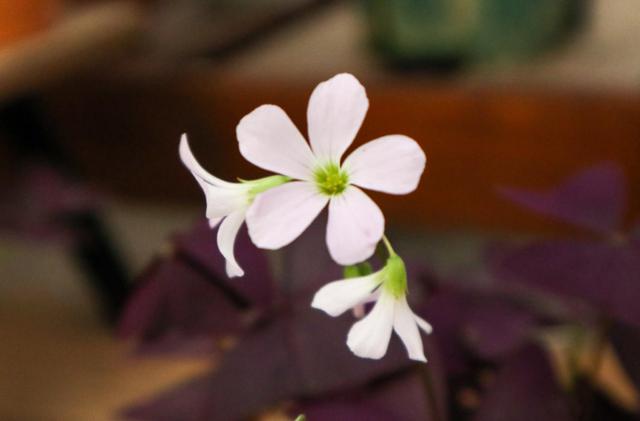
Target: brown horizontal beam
475	138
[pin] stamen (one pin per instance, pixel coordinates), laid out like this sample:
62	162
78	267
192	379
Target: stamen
331	179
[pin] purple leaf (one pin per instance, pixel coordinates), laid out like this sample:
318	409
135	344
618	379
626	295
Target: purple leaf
177	309
594	199
479	322
258	373
446	310
35	206
293	351
525	389
199	247
187	402
495	328
635	234
307	263
398	399
603	274
284	359
324	362
341	410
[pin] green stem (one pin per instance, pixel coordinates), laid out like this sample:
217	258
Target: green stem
387	244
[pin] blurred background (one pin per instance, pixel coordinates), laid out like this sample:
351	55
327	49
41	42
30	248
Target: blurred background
539	96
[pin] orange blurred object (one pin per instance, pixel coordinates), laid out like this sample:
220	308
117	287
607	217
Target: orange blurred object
22	18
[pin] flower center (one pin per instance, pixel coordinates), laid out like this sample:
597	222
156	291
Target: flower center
331	180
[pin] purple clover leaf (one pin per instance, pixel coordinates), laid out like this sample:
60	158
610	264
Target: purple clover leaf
525	389
602	272
594	199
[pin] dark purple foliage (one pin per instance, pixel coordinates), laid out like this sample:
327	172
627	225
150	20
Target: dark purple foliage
525	389
292	351
295	355
402	398
185	303
289	352
594	199
475	323
307	264
176	309
255	375
36	205
602	272
497	328
198	246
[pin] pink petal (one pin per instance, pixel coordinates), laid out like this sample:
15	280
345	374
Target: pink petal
270	140
279	215
221	196
339	296
355	227
336	110
226	241
423	324
404	323
189	161
391	164
369	337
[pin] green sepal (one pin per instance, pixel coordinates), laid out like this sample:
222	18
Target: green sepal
395	276
357	270
263	184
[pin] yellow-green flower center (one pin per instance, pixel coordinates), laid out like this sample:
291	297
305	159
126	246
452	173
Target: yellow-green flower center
331	179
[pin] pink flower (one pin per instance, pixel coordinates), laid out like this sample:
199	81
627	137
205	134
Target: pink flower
227	203
392	164
370	336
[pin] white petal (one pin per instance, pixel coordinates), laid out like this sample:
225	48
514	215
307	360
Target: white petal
222	202
359	310
222	197
369	337
339	296
196	169
404	324
355	227
335	113
226	240
423	324
391	164
279	215
213	222
268	138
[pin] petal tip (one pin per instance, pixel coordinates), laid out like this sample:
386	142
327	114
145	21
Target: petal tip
319	303
235	274
420	358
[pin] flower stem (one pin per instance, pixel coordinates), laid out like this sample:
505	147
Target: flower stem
435	409
387	244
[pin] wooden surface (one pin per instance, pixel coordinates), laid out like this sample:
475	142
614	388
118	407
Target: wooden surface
83	39
21	19
475	139
58	360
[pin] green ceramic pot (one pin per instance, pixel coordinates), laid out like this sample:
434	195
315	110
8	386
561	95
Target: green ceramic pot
442	31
